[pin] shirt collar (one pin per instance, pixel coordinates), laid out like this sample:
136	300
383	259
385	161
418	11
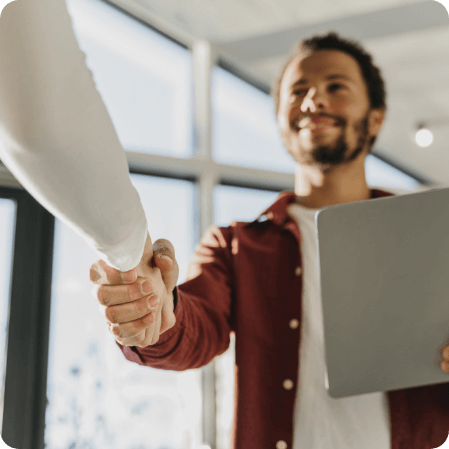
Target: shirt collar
277	212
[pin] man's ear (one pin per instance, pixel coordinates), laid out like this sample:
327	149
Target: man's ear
375	121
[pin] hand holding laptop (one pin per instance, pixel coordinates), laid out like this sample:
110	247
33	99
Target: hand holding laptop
383	274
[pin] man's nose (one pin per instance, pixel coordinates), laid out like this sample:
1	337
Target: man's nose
313	101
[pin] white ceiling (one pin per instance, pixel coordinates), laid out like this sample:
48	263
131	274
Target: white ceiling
409	41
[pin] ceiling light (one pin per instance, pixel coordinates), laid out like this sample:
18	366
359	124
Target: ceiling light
423	136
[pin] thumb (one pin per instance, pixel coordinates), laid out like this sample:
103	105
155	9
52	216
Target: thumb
165	260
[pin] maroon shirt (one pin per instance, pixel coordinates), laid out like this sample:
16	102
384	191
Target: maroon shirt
245	279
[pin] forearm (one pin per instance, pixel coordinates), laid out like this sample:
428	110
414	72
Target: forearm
56	136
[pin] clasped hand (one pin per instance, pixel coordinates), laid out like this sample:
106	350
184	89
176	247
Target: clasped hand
138	304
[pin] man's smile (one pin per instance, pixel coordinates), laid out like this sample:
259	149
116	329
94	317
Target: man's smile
319	128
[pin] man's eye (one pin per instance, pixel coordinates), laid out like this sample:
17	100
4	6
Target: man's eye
300	92
335	86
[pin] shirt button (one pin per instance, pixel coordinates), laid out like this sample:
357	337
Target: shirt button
287	384
281	444
298	271
294	323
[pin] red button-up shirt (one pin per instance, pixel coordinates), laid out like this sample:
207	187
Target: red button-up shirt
244	279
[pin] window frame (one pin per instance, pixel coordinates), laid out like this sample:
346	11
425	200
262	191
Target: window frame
29	318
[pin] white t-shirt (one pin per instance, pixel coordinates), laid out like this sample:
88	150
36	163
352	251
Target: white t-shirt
56	136
320	421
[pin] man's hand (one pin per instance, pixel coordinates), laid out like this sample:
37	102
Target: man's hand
138	304
445	362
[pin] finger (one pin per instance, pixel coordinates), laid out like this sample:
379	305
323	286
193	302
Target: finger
165	253
133	341
157	328
109	295
124	313
165	260
131	329
150	332
148	336
101	273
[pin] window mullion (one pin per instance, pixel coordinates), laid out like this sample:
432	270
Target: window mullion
203	61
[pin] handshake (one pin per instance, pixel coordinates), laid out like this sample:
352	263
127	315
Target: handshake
138	304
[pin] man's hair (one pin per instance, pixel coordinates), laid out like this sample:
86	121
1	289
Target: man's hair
332	41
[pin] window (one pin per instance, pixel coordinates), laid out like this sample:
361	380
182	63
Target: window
144	79
96	398
7	218
244	129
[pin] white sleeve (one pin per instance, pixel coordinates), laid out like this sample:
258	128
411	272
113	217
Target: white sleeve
56	136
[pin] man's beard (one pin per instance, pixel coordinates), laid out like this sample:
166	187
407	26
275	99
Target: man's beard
328	156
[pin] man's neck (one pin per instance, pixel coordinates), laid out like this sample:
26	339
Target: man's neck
343	184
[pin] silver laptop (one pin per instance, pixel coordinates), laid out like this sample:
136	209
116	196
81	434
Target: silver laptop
384	274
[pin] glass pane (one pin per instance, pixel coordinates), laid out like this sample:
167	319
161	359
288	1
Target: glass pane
7	222
244	127
381	174
96	398
240	204
143	78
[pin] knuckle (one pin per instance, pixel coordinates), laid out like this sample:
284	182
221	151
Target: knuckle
111	315
122	341
137	327
101	297
142	306
116	330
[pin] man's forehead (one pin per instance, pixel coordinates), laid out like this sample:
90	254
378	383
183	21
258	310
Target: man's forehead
322	63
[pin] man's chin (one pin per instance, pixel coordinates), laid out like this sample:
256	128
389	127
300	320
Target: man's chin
324	159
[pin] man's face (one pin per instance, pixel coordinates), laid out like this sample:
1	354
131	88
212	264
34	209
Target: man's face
324	110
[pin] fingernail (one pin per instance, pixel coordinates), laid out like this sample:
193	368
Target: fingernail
153	302
164	256
146	287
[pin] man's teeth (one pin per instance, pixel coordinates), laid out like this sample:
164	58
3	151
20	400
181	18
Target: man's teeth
315	125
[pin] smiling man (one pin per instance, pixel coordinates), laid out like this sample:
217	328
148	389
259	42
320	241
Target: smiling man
260	281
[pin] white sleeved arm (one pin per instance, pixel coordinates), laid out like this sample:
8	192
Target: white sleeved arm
56	136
